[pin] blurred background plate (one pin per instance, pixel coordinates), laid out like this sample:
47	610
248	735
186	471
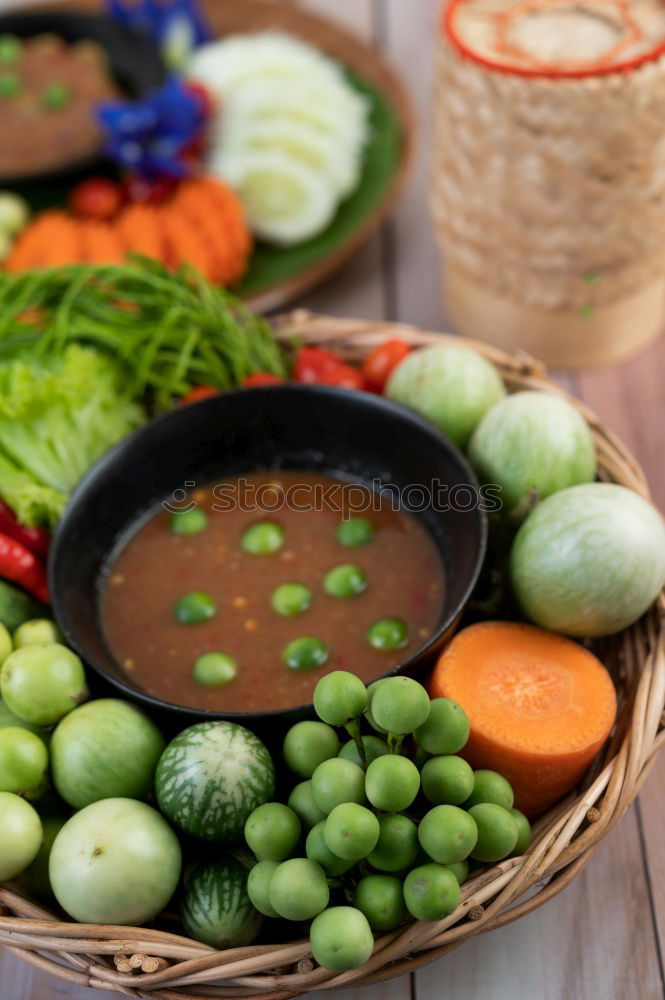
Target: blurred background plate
278	275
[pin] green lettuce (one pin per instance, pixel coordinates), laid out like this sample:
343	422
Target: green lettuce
57	416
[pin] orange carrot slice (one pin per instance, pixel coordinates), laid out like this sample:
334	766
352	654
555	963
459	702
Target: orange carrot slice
540	706
139	230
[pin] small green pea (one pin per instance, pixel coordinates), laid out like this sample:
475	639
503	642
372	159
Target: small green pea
263	539
305	653
10	85
215	668
56	96
10	48
189	522
291	599
345	581
193	608
355	532
388	633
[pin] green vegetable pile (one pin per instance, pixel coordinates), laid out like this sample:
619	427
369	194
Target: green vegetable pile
84	348
378	833
58	413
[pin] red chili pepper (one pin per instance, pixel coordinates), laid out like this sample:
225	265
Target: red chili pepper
20	565
316	366
200	392
380	363
37	540
261	378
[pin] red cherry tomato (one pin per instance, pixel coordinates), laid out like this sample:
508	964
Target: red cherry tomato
379	364
144	192
316	366
200	392
96	198
261	378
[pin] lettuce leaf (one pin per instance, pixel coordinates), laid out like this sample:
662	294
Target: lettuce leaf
57	416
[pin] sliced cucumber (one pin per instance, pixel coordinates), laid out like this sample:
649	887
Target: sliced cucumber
230	63
286	201
335	109
316	149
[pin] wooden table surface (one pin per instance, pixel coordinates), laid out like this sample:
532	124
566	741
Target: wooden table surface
604	936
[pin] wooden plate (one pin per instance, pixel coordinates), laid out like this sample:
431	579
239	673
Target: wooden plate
279	275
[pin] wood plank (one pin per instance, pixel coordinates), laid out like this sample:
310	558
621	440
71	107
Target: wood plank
358	288
416	289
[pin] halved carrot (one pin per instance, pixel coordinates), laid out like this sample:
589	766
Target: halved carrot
540	706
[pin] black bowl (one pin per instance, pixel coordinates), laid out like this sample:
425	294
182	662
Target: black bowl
134	59
355	435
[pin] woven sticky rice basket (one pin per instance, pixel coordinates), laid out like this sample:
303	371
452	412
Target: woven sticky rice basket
151	962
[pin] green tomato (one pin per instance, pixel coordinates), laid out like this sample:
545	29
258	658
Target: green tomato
263	539
447	834
589	560
188	522
392	783
105	749
23	760
215	668
446	729
489	786
305	653
533	442
351	831
355	532
21	835
345	581
452	387
290	599
380	898
36	630
14	210
460	870
299	889
341	938
35	877
447	780
42	682
115	862
523	832
258	887
9	718
272	831
194	608
301	800
317	850
340	697
388	633
308	744
374	747
397	846
400	705
497	832
336	781
6	645
431	892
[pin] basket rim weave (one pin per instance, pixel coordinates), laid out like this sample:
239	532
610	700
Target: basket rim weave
152	963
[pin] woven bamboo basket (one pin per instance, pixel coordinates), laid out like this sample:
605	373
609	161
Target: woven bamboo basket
548	177
151	962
